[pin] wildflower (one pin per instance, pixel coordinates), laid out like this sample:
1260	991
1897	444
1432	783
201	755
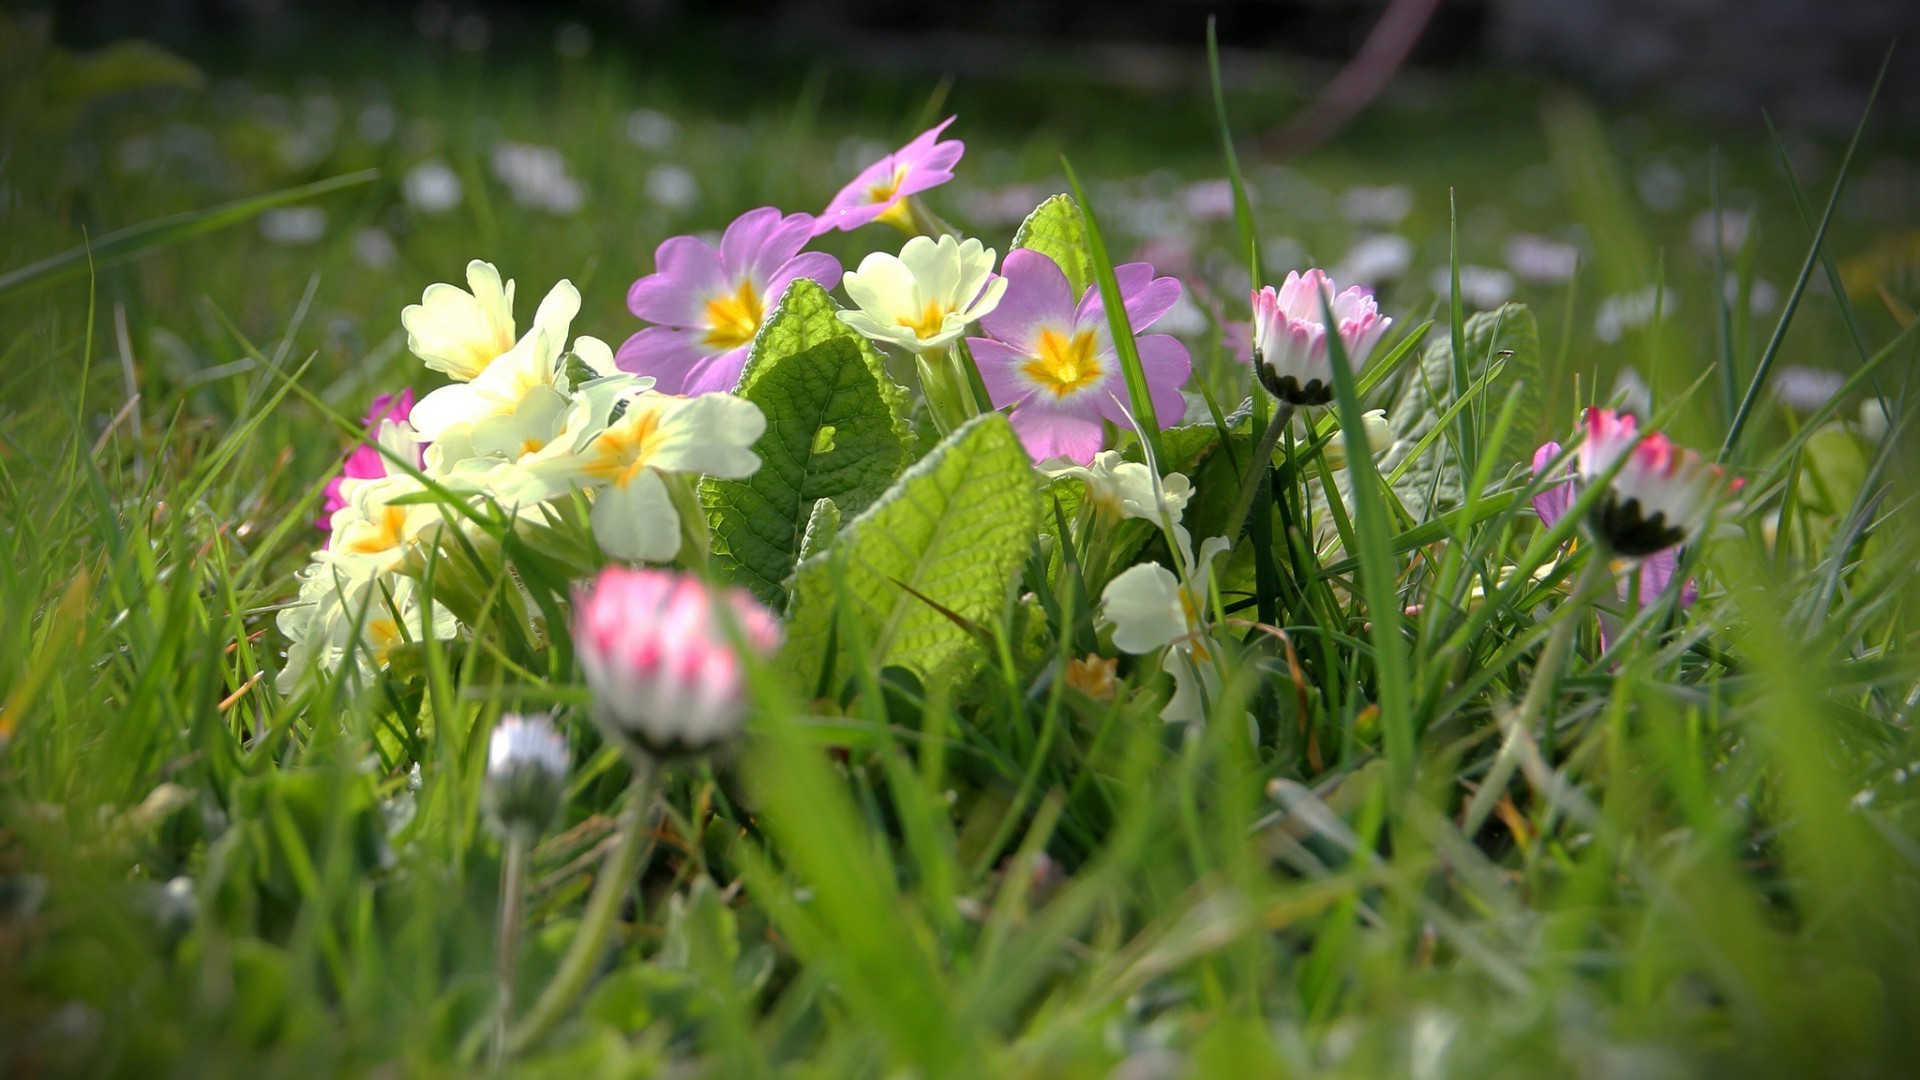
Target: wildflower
1482	287
1541	260
1053	360
431	187
296	225
1385	205
881	191
1129	489
538	177
392	437
1150	608
662	654
1095	676
531	366
1661	494
708	303
526	775
628	460
923	299
1375	260
378	527
461	332
346	613
1622	312
1290	336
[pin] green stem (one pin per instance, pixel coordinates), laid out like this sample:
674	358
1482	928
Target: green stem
589	942
1256	467
513	889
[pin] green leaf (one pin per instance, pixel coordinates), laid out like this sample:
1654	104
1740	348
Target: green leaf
1509	336
822	526
836	434
956	529
1054	229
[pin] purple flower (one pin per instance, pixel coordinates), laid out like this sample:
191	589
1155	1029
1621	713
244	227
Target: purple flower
882	187
387	426
707	304
1052	359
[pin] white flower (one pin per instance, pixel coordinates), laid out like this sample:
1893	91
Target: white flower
341	614
431	188
1379	437
538	177
1129	488
459	332
923	299
374	533
536	362
1149	608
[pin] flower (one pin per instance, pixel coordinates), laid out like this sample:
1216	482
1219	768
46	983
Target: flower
923	299
1660	495
880	192
1150	608
345	612
1053	360
392	437
625	461
1290	336
662	654
708	303
1129	489
1095	676
526	775
459	332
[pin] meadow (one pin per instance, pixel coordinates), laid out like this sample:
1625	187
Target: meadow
1450	758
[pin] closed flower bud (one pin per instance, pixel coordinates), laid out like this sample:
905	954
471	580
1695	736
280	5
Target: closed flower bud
662	654
1290	335
526	775
1660	496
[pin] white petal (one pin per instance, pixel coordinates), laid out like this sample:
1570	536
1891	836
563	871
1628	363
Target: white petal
637	522
1143	604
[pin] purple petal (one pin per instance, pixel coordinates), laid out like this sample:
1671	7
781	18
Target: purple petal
1165	363
716	374
817	265
760	241
668	354
688	272
1047	433
1000	365
1552	503
1037	295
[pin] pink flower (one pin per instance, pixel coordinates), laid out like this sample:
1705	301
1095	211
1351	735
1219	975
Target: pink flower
1659	497
1290	335
708	304
1053	359
387	426
661	653
882	187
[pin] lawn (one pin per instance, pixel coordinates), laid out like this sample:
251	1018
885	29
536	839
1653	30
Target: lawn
993	761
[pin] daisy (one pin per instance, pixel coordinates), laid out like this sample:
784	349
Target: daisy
1290	335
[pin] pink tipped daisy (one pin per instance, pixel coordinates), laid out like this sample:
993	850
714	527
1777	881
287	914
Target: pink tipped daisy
708	303
1051	358
881	189
1290	335
1662	493
386	426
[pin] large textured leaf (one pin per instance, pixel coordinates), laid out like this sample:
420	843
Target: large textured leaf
955	529
836	431
1509	336
1054	229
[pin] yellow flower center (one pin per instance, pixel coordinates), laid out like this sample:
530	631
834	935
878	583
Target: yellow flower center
1191	607
385	634
883	192
1064	365
733	320
622	453
386	531
930	323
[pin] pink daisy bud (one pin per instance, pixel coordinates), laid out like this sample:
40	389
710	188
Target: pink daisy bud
1660	496
881	189
1290	335
662	654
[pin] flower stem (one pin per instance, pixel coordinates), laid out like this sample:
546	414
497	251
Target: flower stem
1257	466
583	955
513	890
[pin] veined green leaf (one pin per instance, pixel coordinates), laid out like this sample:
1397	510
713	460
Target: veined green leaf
956	529
836	434
1054	229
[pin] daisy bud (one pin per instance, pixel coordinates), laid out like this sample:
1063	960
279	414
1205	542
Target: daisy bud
526	775
661	653
1660	496
1290	335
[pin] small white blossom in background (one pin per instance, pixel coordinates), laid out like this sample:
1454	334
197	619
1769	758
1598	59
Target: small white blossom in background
1541	260
1662	185
374	248
294	225
1630	311
432	188
1482	287
376	123
1761	299
537	176
1733	231
1208	200
1374	260
653	130
672	187
923	299
1805	389
1385	205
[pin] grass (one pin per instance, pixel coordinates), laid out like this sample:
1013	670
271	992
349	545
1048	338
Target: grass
1699	856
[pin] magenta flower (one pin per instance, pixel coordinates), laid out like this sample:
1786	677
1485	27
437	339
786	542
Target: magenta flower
881	189
1052	359
661	653
708	304
386	426
1290	335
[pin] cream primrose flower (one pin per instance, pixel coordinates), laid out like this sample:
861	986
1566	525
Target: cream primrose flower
622	460
373	534
461	332
926	297
341	613
536	363
1149	608
1126	489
